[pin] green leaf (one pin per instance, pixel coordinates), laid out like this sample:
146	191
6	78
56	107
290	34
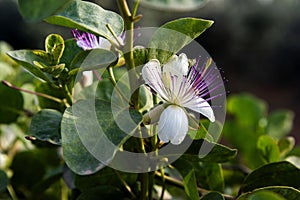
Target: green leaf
71	50
26	58
247	109
280	123
45	126
89	17
295	160
268	148
205	129
263	195
54	46
46	88
278	192
3	181
174	35
78	158
280	174
209	152
106	176
210	176
212	196
11	104
286	145
36	10
93	59
140	55
187	171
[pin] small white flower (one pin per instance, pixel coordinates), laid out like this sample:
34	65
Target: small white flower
179	87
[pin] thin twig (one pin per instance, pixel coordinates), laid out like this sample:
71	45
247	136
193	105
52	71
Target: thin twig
125	184
8	84
180	184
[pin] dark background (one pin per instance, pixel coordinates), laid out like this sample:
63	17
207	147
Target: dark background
256	43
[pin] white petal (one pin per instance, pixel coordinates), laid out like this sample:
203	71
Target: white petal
104	43
154	114
177	65
201	106
151	70
173	125
87	78
151	73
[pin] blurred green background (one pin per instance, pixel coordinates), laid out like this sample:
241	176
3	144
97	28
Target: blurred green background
255	42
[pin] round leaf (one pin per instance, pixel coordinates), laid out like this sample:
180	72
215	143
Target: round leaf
268	148
45	126
26	58
174	35
36	10
275	192
280	123
280	173
90	17
11	104
84	138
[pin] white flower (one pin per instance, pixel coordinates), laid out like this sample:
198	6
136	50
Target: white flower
179	87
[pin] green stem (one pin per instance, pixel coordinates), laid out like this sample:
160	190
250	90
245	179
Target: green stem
162	172
11	192
178	183
68	95
136	5
114	83
125	185
128	51
119	44
34	93
145	186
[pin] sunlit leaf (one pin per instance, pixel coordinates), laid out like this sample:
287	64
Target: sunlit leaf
280	174
286	145
210	152
78	158
268	148
209	176
26	59
90	17
93	59
174	35
280	123
187	172
54	46
272	192
247	109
